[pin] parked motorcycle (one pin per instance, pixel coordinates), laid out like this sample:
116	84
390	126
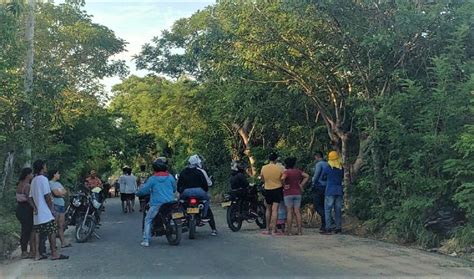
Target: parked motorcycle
193	210
245	205
84	212
167	222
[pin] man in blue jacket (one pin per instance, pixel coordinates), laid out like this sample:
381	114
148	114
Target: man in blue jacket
161	187
319	188
333	200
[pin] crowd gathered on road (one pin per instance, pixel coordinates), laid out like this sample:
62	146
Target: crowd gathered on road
41	206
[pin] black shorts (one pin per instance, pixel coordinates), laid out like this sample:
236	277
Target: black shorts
274	195
46	228
127	197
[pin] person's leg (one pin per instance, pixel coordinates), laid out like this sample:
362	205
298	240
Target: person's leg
24	237
61	220
296	208
212	221
268	215
338	212
42	243
124	200
273	218
318	203
37	244
289	214
132	199
328	205
148	223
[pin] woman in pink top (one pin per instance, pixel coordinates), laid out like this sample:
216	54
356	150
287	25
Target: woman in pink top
294	180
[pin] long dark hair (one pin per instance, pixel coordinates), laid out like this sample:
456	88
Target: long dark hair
24	173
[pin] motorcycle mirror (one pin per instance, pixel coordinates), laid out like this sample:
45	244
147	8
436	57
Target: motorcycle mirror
176	176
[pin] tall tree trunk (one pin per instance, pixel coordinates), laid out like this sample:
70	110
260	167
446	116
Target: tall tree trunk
30	30
7	171
245	134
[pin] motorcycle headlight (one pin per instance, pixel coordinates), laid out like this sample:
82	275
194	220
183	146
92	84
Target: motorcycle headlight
76	202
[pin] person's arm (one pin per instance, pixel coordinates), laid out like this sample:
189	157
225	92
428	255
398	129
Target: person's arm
283	180
317	173
180	183
32	202
46	191
305	180
173	181
208	180
58	191
145	190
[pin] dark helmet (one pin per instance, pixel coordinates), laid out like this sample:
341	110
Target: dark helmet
160	164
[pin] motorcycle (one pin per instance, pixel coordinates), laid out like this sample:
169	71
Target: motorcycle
84	212
167	222
245	205
193	210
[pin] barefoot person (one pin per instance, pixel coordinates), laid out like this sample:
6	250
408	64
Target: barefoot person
43	220
294	180
271	176
24	213
58	203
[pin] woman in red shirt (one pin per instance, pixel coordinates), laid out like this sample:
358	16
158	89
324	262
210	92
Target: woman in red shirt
294	180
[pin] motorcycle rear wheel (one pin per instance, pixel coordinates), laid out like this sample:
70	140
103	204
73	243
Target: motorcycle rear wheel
233	220
173	232
84	229
261	219
192	227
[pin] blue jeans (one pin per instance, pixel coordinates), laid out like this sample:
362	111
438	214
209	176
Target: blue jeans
331	202
198	193
150	215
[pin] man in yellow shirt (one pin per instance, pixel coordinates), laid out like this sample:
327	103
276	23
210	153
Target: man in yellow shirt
271	175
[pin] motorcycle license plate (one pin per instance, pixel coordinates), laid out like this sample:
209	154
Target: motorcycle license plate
192	210
177	215
226	204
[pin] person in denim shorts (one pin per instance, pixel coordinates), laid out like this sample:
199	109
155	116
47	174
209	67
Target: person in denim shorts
59	205
294	180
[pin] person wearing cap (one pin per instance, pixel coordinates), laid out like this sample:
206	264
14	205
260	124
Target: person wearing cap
333	200
161	187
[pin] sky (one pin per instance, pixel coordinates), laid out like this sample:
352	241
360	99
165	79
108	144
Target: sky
138	21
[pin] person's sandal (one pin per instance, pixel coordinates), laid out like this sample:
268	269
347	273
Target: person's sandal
61	257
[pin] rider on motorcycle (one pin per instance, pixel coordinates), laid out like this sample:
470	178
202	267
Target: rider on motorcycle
193	181
239	182
161	187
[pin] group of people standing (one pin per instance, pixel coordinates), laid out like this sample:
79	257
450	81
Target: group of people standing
40	210
284	185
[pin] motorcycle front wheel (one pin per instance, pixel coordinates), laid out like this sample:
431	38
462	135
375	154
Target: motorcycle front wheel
173	232
260	220
233	218
84	229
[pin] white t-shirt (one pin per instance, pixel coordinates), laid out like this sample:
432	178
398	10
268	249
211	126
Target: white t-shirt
128	184
40	188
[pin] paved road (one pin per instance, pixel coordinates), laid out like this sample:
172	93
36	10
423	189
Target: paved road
243	254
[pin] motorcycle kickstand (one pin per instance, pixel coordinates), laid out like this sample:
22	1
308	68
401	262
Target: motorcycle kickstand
96	235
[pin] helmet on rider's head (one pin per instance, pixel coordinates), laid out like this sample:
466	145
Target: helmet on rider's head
160	164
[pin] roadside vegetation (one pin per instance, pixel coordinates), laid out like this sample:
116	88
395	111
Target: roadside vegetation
389	85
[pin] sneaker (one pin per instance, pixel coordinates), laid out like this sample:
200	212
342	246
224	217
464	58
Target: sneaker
145	244
214	233
337	231
205	220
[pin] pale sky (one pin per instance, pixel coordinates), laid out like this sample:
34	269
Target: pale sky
138	21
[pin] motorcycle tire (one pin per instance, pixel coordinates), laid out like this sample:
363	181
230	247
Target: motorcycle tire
173	232
261	220
84	230
192	227
233	220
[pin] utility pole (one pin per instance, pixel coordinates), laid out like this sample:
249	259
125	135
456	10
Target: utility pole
30	31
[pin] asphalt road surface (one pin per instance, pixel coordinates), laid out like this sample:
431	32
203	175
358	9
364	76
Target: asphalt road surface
243	254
